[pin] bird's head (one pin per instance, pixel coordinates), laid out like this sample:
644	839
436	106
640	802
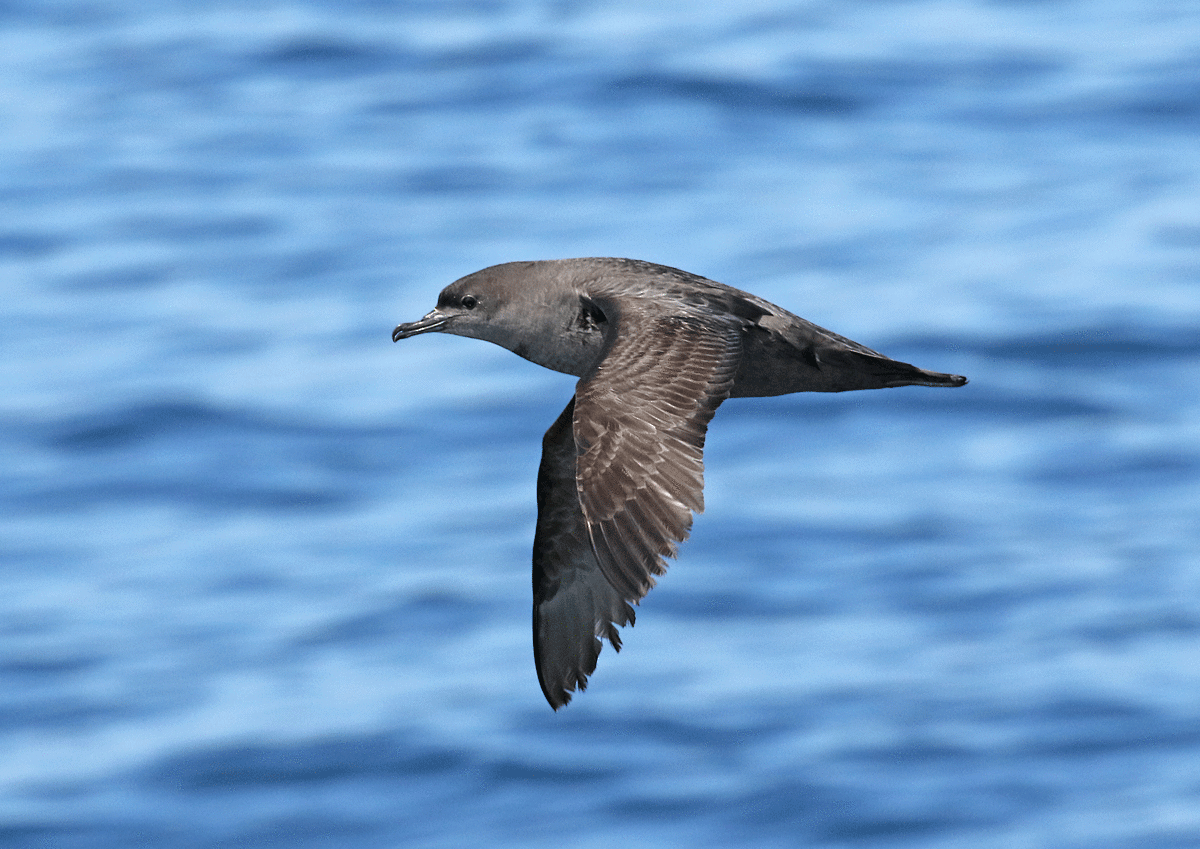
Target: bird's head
489	304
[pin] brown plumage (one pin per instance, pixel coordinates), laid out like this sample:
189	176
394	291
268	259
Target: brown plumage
657	350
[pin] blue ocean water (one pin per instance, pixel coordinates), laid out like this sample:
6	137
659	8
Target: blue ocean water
266	574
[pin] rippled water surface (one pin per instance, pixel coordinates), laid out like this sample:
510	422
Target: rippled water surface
266	574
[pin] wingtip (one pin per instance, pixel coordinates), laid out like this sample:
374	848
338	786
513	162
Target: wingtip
551	699
559	699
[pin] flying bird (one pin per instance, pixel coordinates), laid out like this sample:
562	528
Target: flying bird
656	351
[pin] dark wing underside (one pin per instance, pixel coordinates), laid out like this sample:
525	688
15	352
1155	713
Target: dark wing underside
622	472
573	605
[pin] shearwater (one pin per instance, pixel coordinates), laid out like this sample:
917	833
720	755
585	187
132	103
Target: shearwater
656	351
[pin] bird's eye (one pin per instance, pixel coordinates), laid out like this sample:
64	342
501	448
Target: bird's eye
468	302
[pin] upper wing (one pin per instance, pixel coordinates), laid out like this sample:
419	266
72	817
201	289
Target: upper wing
573	605
639	425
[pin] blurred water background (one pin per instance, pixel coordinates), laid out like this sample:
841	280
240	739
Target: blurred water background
265	575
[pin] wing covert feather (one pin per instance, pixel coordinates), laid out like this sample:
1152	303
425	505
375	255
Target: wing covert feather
639	423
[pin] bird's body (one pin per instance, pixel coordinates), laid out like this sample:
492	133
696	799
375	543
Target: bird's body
657	350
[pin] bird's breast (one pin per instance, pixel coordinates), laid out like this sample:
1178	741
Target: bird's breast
574	350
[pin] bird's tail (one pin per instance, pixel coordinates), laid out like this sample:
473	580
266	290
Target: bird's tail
859	370
913	376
